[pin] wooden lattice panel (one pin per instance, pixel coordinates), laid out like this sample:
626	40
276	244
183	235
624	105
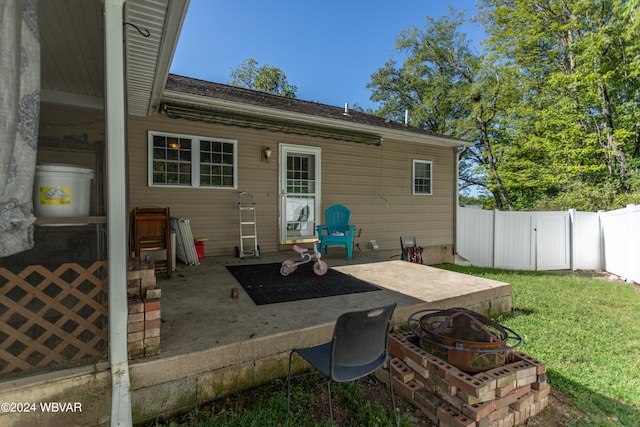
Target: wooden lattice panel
51	317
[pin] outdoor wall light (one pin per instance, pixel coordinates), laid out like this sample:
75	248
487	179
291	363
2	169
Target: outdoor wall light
266	154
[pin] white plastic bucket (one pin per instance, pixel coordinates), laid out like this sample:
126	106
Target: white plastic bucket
62	190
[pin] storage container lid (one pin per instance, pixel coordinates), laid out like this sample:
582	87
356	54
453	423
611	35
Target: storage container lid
59	167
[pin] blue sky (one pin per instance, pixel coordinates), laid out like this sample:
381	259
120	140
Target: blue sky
328	49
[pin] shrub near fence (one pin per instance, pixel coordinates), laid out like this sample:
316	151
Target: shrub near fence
573	240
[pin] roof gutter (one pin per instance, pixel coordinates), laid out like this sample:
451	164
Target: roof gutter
176	12
268	113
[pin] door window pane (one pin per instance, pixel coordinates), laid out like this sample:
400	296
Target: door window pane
300	217
300	174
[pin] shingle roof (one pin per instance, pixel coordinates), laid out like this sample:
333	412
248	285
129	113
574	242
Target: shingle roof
220	91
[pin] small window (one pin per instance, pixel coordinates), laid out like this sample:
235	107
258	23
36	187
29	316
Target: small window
422	177
191	161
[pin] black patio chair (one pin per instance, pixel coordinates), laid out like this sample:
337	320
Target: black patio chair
359	347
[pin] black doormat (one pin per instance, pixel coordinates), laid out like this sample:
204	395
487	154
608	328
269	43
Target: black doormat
265	284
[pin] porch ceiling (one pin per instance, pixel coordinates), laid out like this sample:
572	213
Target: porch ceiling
72	51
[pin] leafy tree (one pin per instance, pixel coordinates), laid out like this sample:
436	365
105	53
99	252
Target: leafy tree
448	89
578	84
264	79
551	104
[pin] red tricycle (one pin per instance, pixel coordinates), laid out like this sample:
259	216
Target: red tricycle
320	267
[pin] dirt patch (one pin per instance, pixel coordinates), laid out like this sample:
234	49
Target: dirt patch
596	274
592	274
559	411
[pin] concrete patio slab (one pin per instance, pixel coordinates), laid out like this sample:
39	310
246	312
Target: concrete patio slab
199	313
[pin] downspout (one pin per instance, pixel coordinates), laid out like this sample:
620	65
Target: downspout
380	194
456	200
115	120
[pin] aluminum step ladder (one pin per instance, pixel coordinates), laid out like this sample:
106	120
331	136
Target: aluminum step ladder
248	229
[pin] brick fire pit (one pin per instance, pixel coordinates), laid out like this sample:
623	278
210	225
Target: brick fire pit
465	339
504	396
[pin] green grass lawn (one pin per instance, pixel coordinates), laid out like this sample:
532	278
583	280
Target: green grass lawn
587	332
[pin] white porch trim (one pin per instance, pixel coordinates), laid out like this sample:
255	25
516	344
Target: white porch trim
115	123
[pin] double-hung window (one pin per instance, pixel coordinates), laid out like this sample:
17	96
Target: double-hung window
422	177
177	160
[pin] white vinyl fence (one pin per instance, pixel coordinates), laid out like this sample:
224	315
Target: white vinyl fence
573	240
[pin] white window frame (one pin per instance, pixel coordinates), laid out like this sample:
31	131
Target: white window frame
413	178
195	161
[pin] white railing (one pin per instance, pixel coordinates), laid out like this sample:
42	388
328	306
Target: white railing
573	240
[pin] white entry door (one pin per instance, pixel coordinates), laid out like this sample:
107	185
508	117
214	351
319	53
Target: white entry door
299	192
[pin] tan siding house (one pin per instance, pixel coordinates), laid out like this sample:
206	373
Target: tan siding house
374	179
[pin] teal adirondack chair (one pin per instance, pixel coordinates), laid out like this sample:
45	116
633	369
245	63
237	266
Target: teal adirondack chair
336	231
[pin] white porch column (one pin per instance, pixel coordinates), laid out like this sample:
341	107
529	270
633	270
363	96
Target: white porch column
115	117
